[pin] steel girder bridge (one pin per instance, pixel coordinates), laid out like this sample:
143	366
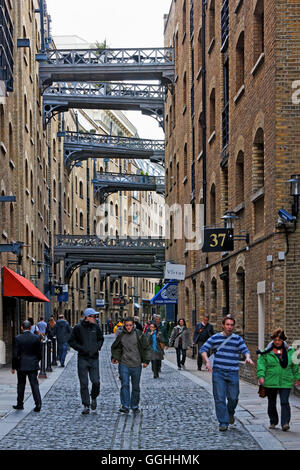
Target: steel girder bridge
82	146
78	250
108	183
86	65
147	98
124	270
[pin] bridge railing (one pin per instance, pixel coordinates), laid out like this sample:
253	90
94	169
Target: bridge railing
113	90
65	241
128	178
140	56
128	142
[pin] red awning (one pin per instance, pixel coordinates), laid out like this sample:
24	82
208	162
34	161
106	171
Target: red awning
15	285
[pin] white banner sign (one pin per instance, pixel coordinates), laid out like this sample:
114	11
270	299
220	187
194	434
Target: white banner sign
175	271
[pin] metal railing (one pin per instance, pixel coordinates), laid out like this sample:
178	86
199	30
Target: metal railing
104	89
124	178
109	242
83	138
147	56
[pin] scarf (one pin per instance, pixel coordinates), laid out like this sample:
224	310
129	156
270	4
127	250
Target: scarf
154	341
283	360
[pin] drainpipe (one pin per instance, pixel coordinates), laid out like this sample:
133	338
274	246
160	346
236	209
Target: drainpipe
204	6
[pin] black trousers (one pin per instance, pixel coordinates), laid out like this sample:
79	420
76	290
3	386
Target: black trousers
88	368
156	365
284	394
199	356
181	356
34	384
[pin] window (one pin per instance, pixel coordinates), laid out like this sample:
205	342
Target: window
81	189
258	161
200	49
184	89
213	205
240	62
200	133
212	109
185	159
239	178
258	31
81	220
211	20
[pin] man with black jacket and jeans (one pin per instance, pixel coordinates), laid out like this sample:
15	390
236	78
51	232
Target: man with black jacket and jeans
87	338
203	331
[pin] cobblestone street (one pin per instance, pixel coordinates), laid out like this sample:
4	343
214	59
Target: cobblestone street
177	414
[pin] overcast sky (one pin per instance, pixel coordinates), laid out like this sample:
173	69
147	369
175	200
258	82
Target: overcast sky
123	23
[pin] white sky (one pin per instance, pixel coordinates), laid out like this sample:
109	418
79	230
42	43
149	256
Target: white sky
123	23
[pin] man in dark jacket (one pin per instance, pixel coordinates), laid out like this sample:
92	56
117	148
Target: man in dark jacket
87	338
131	351
203	331
26	357
62	331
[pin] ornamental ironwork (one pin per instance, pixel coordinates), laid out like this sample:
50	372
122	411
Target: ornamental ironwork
6	46
81	146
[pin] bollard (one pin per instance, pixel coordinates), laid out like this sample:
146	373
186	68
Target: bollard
42	374
54	355
194	351
49	344
106	329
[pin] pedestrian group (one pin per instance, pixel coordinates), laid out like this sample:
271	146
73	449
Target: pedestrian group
135	346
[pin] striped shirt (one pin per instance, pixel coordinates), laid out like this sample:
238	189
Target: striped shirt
227	357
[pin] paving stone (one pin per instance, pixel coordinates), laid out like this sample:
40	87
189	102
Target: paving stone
176	414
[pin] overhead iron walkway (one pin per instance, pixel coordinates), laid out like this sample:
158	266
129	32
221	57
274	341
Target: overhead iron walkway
108	183
124	270
147	98
78	250
86	65
82	146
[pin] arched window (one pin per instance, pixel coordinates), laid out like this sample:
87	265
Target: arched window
81	189
212	111
258	31
212	21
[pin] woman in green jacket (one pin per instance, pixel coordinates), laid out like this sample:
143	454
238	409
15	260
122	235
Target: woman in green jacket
277	372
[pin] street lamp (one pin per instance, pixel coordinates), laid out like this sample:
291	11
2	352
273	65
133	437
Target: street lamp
229	218
295	192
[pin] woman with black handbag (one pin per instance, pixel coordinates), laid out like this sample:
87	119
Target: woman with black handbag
277	373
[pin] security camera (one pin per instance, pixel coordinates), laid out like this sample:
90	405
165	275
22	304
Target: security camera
284	216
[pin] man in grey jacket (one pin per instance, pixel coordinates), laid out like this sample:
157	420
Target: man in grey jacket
131	351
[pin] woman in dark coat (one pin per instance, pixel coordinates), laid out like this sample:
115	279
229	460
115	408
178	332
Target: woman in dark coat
155	339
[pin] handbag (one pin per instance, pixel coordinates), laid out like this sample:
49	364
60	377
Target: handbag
162	346
212	356
262	391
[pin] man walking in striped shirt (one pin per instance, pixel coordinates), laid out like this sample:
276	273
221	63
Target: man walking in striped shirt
225	370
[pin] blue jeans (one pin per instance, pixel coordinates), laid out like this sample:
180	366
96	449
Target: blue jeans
225	387
62	349
130	400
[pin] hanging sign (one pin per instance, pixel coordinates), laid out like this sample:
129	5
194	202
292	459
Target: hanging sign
218	239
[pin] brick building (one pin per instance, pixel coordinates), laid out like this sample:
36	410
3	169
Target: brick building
232	137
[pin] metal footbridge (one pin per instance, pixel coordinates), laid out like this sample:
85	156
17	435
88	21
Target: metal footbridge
82	146
147	98
93	65
78	250
125	270
109	182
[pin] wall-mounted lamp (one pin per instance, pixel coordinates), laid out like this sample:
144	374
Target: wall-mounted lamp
229	218
295	192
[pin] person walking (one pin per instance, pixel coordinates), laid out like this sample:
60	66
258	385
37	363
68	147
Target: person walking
34	328
118	325
50	330
157	353
163	330
180	339
132	352
26	357
277	372
225	370
42	325
87	339
203	331
62	332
